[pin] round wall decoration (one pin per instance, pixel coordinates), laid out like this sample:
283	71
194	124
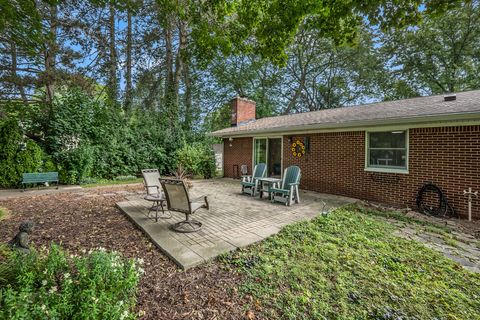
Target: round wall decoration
298	149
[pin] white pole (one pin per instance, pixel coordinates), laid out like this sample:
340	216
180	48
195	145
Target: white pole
470	194
469	204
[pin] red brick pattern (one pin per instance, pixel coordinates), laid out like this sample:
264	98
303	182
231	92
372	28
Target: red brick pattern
448	156
239	153
243	110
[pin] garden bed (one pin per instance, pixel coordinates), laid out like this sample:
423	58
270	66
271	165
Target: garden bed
86	220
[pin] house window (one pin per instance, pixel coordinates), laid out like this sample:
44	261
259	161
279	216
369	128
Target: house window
387	151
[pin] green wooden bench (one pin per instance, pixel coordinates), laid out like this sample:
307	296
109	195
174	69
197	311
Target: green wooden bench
39	177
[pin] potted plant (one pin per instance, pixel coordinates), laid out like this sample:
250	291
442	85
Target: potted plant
182	174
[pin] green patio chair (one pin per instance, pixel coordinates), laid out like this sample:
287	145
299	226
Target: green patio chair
250	183
287	190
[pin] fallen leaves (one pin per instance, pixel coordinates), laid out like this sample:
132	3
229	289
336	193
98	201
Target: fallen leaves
85	220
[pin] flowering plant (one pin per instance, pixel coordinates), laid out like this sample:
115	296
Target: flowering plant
51	284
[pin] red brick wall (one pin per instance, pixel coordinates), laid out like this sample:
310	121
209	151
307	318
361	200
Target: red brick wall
243	110
239	153
448	156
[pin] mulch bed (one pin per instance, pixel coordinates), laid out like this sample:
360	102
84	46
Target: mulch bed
89	219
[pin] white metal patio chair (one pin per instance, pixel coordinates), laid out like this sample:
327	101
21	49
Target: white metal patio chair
151	180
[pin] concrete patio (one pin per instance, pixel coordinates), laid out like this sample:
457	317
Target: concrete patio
233	221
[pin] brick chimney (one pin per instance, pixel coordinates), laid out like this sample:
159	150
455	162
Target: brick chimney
243	111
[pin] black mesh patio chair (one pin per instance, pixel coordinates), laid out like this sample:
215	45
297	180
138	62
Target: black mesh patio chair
178	200
151	180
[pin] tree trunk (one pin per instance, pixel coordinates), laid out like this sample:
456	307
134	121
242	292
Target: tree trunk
17	81
188	98
128	87
50	55
179	61
298	92
112	81
168	57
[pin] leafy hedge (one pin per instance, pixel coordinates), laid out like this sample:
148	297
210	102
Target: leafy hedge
197	159
54	285
84	136
18	155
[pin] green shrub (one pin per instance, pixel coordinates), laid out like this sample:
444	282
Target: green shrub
75	165
197	159
87	137
189	157
207	166
53	285
17	155
118	144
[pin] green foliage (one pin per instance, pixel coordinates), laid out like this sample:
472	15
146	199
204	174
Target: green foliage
85	137
267	27
197	159
436	57
88	137
218	119
53	285
189	158
18	155
348	265
76	164
207	165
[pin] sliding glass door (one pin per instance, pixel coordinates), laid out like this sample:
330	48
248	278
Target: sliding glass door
274	161
269	151
260	151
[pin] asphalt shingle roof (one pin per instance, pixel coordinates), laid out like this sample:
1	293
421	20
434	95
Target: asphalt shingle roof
389	112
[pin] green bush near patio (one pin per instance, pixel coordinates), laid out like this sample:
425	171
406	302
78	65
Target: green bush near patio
349	265
197	159
51	284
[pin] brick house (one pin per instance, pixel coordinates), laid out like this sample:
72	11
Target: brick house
382	152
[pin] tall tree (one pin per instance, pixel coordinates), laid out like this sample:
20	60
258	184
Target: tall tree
436	57
50	52
112	50
128	73
268	27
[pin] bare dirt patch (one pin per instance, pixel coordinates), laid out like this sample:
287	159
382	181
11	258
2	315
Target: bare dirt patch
88	219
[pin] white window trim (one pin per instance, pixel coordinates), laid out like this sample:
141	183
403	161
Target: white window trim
387	170
267	137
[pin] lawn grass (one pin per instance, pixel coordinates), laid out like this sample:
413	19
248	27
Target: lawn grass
105	182
429	226
3	213
349	265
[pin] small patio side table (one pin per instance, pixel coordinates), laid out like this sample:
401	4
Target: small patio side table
271	182
157	203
